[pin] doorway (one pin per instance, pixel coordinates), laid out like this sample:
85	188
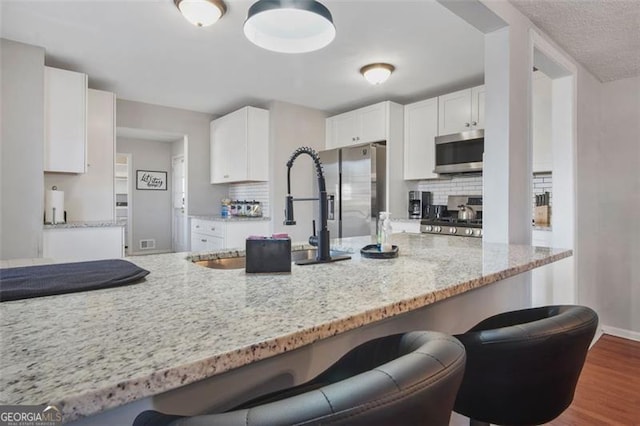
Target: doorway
123	195
180	223
553	118
157	215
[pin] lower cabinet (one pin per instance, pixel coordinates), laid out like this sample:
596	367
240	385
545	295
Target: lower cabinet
411	227
80	244
209	235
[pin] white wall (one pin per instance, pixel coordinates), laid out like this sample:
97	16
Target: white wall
22	148
151	209
90	196
617	288
202	197
292	126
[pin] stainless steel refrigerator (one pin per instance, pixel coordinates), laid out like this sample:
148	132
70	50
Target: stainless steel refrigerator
356	182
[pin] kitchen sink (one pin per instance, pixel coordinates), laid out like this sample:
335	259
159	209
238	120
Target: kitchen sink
240	262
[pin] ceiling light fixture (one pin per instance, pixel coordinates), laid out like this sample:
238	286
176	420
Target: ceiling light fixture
201	13
377	73
289	26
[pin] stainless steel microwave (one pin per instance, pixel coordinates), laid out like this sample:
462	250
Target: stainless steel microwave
460	152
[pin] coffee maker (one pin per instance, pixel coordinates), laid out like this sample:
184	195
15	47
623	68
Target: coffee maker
418	200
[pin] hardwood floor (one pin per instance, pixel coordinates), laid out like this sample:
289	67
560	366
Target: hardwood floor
608	391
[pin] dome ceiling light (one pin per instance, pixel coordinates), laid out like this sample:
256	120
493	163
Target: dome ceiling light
201	13
377	73
289	26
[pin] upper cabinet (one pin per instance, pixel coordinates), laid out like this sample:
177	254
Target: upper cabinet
541	123
65	142
364	125
420	130
461	111
240	146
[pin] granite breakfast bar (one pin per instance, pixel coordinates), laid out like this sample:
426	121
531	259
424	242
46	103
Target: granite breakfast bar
92	353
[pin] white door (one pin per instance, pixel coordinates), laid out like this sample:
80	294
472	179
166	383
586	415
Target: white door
179	219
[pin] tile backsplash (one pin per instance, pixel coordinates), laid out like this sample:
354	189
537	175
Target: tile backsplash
472	185
457	185
542	183
250	191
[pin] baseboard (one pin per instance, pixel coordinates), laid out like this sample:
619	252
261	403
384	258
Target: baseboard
621	332
596	337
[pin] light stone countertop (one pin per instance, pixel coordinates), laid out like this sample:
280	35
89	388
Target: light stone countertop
91	351
90	224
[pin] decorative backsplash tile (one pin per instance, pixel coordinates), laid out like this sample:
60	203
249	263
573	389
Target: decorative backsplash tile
250	191
472	185
458	185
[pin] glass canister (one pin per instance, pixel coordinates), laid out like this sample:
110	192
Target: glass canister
384	232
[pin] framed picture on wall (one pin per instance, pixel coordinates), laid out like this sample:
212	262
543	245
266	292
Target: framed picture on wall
150	180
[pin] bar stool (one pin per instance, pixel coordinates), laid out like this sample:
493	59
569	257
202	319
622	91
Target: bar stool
408	379
523	366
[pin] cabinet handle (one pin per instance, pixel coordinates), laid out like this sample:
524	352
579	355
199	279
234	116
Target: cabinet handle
466	124
474	123
203	240
213	229
226	176
197	226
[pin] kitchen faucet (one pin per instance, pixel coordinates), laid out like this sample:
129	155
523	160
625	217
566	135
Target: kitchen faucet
322	239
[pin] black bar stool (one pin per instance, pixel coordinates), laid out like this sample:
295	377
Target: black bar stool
523	366
407	379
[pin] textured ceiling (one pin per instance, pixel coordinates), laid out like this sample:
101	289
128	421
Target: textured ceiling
603	35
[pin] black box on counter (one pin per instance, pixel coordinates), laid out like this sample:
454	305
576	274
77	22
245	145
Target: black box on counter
268	255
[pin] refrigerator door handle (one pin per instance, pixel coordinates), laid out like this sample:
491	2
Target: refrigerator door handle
331	204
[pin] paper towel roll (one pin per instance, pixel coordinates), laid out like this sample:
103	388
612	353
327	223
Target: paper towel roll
53	200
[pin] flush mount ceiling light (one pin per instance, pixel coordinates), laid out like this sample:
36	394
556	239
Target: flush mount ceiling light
377	73
289	26
201	13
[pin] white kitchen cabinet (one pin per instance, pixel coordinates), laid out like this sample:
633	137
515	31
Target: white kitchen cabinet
420	130
240	146
461	111
541	123
405	226
208	235
364	125
82	244
65	141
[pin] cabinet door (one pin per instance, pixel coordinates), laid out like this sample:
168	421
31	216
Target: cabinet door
405	227
477	107
257	144
420	130
454	112
373	123
229	147
65	121
203	242
344	130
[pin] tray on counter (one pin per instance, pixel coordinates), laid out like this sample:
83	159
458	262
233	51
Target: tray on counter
372	252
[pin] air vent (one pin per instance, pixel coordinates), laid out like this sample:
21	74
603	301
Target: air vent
147	244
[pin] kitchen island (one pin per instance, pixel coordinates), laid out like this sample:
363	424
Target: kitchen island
90	352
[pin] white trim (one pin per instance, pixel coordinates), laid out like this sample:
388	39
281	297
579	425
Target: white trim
621	332
596	337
